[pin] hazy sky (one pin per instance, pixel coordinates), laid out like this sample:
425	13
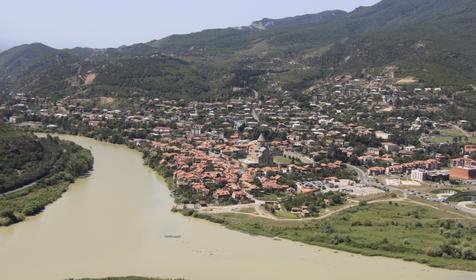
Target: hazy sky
111	23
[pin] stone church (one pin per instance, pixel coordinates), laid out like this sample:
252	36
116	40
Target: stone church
259	154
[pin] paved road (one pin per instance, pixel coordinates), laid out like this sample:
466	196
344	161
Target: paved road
363	177
20	189
366	181
462	207
255	115
256	93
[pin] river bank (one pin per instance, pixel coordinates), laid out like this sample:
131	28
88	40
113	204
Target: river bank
408	236
409	231
402	231
115	223
71	163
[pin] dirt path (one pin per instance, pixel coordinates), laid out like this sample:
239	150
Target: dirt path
452	212
262	213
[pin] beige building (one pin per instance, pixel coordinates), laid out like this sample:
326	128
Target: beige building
419	175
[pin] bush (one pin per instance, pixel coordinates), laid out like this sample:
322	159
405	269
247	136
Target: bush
356	224
468	254
337	239
435	252
188	212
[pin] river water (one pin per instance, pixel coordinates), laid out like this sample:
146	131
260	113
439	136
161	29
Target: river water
114	223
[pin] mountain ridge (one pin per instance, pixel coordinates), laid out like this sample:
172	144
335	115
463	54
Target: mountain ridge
429	39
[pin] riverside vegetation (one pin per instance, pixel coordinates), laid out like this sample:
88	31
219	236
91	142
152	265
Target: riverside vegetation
35	172
399	230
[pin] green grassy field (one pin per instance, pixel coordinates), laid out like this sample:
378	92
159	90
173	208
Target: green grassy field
447	135
283	214
404	230
282	160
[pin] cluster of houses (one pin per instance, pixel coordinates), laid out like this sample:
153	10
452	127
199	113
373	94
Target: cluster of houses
211	169
405	168
214	149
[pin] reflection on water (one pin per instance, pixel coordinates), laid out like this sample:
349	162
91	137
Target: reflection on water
118	222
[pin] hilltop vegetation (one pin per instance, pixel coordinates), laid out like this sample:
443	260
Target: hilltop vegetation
160	75
35	172
431	40
25	158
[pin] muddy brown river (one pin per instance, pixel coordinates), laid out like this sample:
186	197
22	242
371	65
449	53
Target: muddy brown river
115	222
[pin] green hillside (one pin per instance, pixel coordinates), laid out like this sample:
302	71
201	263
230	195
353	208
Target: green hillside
20	58
35	172
432	40
156	76
25	158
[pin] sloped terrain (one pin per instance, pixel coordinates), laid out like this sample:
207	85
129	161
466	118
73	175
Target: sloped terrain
432	40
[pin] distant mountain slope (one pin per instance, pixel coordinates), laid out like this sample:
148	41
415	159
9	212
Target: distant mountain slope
151	75
432	40
46	71
224	41
297	21
22	57
38	68
327	26
418	35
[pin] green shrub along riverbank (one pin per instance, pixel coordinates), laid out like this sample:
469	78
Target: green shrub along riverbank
34	172
397	230
25	158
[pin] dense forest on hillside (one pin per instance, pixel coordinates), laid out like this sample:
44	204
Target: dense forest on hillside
35	172
431	40
154	76
25	158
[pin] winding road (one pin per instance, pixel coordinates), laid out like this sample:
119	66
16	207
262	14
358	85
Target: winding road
462	206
